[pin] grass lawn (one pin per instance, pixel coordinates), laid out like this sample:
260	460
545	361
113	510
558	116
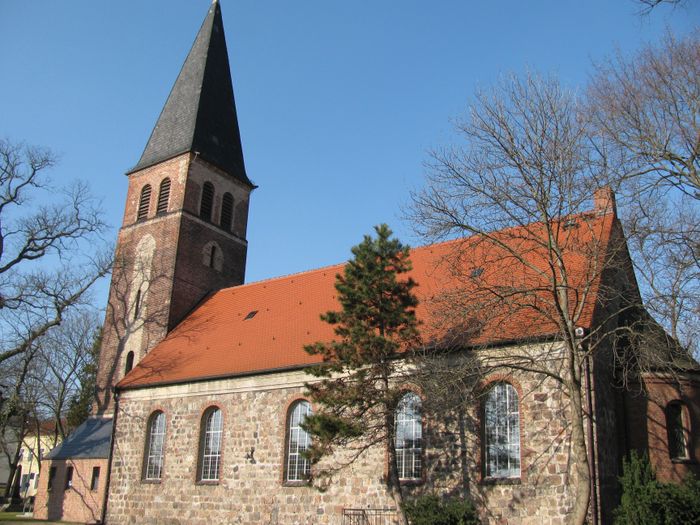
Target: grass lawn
12	516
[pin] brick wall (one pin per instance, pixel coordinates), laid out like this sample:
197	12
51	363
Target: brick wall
163	259
646	423
77	503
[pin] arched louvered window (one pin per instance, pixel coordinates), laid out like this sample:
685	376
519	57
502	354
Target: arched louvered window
129	363
409	436
227	211
155	439
297	467
163	197
144	203
210	445
502	432
207	203
678	430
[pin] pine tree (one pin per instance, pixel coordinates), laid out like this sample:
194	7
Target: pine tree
361	381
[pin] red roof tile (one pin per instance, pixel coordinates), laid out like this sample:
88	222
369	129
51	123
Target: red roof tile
223	338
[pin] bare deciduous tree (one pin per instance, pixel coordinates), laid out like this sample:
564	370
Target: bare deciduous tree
46	263
50	257
518	191
647	6
645	118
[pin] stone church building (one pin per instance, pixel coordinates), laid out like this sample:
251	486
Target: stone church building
201	376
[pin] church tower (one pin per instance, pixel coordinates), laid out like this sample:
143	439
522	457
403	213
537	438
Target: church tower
184	229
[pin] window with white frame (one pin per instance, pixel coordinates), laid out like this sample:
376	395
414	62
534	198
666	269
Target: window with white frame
155	440
502	432
210	448
298	468
409	437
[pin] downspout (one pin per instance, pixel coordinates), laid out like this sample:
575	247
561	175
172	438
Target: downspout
592	456
109	461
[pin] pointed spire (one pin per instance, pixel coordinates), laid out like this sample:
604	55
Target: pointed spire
200	113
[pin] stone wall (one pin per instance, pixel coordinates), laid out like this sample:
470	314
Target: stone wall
251	489
78	502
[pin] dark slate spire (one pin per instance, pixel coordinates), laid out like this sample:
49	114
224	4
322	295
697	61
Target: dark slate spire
200	113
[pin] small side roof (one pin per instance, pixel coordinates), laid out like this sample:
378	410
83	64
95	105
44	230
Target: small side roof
89	441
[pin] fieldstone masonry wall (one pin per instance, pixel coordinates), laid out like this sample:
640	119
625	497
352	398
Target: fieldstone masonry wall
251	489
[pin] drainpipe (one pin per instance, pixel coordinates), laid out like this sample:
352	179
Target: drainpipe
109	461
592	457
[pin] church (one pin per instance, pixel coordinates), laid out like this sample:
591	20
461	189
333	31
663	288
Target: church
201	376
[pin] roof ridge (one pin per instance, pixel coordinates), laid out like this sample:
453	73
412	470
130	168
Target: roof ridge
587	214
281	277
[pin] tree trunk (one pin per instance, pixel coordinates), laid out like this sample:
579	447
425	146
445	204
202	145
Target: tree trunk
582	470
13	462
394	482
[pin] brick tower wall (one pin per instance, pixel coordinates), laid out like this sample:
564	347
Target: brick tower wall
163	262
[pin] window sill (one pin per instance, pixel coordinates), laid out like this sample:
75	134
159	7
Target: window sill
151	481
207	482
501	481
296	484
411	482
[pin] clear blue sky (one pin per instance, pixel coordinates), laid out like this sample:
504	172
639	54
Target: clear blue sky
338	102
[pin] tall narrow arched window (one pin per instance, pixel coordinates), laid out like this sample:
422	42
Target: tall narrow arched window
210	445
408	441
227	211
155	439
297	467
677	429
207	204
502	432
129	362
144	203
163	197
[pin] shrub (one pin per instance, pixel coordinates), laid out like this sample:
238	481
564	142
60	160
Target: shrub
432	510
645	501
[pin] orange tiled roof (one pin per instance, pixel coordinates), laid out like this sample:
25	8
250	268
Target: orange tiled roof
223	338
